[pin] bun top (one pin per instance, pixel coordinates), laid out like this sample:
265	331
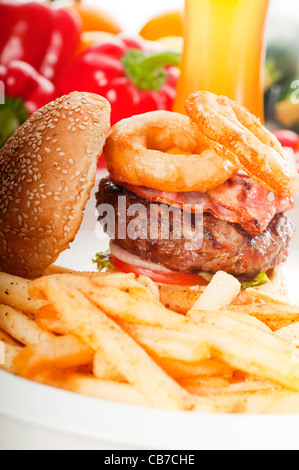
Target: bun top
47	171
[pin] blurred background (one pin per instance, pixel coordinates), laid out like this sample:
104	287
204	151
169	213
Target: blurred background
161	21
282	63
133	14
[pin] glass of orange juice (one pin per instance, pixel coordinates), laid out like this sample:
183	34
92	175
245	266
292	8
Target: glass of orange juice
224	51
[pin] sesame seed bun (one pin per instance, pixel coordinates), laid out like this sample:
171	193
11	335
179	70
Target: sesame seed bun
48	169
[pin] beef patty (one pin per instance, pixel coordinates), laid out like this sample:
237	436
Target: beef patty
228	247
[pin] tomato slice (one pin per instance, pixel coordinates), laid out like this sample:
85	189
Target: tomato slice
180	279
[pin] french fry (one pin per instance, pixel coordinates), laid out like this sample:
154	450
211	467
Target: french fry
137	312
105	371
253	351
260	402
264	355
250	386
142	287
289	334
10	353
132	309
249	321
119	392
123	282
218	404
209	368
93	387
219	294
54	270
223	357
169	344
102	334
14	292
258	295
179	299
21	328
150	285
273	402
207	386
6	338
274	315
47	319
59	352
119	304
220	340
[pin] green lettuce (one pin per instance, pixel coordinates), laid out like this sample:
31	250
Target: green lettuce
102	260
260	280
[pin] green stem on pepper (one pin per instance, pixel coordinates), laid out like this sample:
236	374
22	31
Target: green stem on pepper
147	71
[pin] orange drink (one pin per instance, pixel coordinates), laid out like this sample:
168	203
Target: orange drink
224	51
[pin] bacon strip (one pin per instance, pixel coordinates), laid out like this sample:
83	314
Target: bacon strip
239	201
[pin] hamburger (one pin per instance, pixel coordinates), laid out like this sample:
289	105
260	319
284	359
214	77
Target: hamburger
245	232
48	169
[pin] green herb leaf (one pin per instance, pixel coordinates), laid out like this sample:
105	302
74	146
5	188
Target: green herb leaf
260	280
102	260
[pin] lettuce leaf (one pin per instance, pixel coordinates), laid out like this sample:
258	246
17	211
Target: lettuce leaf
102	260
260	280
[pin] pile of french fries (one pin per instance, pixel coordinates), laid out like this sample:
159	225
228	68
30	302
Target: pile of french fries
108	336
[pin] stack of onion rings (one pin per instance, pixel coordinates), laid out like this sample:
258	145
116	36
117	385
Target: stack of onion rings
238	136
220	137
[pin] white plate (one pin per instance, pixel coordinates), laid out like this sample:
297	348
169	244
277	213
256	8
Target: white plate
110	424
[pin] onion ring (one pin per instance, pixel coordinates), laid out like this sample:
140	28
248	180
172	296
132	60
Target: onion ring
135	153
238	136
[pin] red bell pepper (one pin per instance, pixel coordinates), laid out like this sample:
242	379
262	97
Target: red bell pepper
44	37
128	73
25	92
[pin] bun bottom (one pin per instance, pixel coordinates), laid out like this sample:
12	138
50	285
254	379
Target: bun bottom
278	287
182	299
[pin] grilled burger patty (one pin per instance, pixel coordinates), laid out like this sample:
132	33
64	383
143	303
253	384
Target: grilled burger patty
228	247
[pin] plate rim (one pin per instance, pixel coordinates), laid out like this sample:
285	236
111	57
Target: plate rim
175	429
